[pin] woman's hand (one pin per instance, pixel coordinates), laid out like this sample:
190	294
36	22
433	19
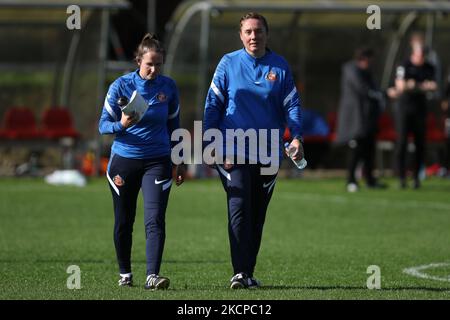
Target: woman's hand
227	164
180	174
128	120
300	153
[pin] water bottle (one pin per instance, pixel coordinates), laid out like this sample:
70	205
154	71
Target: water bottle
301	164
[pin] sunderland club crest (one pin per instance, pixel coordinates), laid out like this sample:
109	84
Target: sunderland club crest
161	97
118	180
271	76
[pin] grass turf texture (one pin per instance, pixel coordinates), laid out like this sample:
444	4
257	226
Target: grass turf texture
317	243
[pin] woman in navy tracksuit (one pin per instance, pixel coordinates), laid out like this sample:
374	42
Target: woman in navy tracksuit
253	90
140	158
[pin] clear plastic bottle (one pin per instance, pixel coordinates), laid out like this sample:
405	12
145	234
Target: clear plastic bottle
301	164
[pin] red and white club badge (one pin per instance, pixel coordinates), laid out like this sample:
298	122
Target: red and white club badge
161	97
118	180
271	76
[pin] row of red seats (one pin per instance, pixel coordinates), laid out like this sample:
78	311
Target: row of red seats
435	129
20	123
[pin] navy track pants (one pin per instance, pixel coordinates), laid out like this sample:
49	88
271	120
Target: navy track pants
126	177
248	196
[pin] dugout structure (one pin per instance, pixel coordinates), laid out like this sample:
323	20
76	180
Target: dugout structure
44	64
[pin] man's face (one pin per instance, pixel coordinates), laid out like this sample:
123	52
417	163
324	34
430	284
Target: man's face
365	63
417	57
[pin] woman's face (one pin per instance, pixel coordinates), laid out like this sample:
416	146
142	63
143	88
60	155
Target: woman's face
150	65
254	37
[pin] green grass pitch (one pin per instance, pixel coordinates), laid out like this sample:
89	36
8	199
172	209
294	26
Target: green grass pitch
318	242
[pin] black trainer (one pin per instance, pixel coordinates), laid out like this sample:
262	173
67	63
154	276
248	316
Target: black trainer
155	282
239	281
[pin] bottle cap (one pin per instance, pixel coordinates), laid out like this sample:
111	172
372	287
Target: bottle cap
122	101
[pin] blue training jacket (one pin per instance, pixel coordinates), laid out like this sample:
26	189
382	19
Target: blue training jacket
150	137
258	93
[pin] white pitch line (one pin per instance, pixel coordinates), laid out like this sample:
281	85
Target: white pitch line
417	271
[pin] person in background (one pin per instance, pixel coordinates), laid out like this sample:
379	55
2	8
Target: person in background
140	158
414	79
360	106
445	107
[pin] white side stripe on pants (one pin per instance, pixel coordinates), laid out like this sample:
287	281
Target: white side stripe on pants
112	184
225	174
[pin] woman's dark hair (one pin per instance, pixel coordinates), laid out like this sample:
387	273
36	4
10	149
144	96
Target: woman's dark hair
150	42
257	16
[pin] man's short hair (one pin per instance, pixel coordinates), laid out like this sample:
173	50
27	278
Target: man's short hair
364	53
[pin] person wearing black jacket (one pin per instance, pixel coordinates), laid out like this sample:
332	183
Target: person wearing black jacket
359	109
445	105
414	79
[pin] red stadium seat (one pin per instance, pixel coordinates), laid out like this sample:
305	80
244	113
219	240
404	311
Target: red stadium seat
3	134
386	129
20	123
332	123
287	135
57	122
435	128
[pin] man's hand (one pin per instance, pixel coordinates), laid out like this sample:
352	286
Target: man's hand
428	85
392	93
410	84
444	105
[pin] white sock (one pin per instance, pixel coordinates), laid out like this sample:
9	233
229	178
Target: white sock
126	275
